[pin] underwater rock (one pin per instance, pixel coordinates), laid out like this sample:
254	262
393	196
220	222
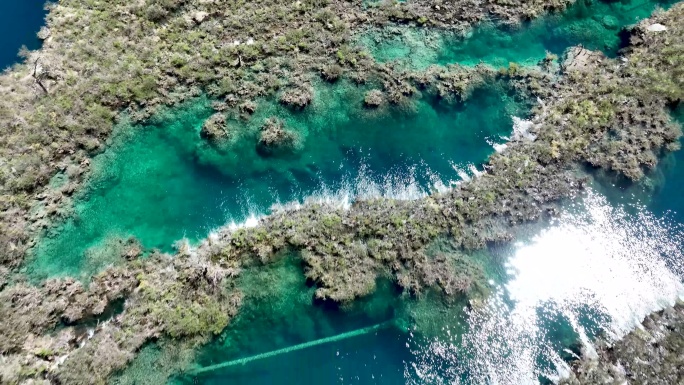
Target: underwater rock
214	128
274	137
610	22
181	297
297	98
248	107
373	99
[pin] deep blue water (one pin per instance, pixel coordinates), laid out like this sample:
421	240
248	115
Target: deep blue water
20	21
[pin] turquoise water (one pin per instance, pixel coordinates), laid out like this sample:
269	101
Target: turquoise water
278	314
162	182
19	22
278	300
597	25
596	270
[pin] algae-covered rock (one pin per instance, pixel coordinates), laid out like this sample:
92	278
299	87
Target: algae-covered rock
651	354
297	98
214	128
373	99
610	22
273	137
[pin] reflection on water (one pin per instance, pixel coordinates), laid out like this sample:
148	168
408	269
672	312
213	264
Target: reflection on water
596	270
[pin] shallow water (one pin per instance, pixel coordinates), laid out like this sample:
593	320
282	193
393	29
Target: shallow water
162	182
597	270
597	25
20	21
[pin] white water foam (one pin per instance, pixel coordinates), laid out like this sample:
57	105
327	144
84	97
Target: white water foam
521	132
401	184
597	267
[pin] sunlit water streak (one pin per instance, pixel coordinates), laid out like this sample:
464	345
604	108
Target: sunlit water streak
598	269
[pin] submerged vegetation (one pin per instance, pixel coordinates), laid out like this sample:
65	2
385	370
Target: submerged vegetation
103	57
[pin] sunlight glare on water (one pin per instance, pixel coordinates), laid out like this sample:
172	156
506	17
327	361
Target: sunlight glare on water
597	267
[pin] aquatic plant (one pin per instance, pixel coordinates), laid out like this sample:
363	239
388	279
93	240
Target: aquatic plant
48	330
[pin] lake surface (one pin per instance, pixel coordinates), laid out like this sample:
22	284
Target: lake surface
20	21
597	269
163	182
